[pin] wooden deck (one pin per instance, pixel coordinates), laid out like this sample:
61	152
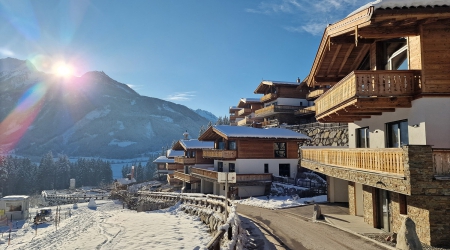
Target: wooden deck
244	112
184	160
314	94
274	109
213	175
219	154
268	97
185	177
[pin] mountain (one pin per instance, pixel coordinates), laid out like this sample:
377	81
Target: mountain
206	114
89	116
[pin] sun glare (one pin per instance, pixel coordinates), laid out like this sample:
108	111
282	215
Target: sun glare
62	69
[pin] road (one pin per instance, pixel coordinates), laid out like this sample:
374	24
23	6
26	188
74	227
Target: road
298	233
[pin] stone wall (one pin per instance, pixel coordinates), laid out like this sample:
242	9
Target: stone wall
394	208
351	198
368	205
325	136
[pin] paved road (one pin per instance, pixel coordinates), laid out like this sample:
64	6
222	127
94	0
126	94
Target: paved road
298	233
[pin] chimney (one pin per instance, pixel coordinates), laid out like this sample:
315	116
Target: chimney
186	135
298	79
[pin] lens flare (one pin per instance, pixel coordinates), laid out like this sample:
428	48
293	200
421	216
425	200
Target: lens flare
63	69
14	126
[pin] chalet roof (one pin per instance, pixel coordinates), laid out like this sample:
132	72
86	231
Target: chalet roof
248	100
193	144
234	108
163	159
227	132
345	43
266	84
174	153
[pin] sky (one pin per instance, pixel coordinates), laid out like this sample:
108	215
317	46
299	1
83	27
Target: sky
204	54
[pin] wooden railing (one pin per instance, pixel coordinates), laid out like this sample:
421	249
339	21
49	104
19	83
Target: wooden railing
441	161
174	166
315	93
219	153
253	177
268	97
244	111
185	177
184	160
276	109
388	160
204	172
366	83
305	110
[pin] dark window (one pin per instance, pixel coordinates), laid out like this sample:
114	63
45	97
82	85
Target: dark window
266	168
220	166
362	138
402	204
232	145
190	154
279	149
232	167
285	170
397	134
221	145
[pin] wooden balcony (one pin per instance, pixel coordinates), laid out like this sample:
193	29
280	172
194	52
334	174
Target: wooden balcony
275	109
379	160
184	160
305	111
248	121
362	94
314	94
244	112
174	166
268	97
185	177
219	154
240	178
172	180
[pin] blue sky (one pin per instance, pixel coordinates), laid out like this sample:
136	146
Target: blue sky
203	54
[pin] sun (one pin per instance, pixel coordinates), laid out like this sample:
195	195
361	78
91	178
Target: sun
63	69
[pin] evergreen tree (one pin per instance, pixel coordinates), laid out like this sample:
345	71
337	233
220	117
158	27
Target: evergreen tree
219	121
46	173
150	168
226	120
202	130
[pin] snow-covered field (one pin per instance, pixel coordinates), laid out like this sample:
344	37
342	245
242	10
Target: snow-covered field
277	202
111	227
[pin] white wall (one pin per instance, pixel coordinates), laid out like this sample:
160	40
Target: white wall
250	191
256	166
430	114
288	101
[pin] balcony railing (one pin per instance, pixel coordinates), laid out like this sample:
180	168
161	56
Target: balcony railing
184	160
268	97
305	110
244	111
185	177
239	177
366	83
314	94
441	162
269	110
174	166
219	153
387	160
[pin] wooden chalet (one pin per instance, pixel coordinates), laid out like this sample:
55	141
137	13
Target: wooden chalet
254	154
234	116
248	106
166	165
385	70
280	100
192	157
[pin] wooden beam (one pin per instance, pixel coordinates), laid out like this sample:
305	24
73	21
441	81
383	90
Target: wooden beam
338	48
384	22
347	54
388	32
360	56
321	79
384	102
349	40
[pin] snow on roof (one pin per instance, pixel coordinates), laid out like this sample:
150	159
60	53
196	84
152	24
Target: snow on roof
125	181
196	144
270	82
174	153
275	133
383	4
15	197
163	159
250	100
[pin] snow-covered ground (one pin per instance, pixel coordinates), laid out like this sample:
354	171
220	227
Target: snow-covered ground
111	227
277	202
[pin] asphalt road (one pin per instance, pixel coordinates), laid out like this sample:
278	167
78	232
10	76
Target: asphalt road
295	232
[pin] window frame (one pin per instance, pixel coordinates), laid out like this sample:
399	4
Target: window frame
278	153
366	138
400	134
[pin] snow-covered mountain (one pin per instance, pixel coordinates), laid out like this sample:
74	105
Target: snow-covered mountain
90	115
206	114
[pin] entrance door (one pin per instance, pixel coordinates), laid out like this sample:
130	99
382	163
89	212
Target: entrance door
384	212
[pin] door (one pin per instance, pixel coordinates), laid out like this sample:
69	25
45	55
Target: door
384	211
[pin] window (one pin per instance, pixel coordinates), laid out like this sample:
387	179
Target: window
221	145
231	167
219	166
285	170
402	204
279	149
13	206
397	134
362	138
190	154
266	168
392	54
232	145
